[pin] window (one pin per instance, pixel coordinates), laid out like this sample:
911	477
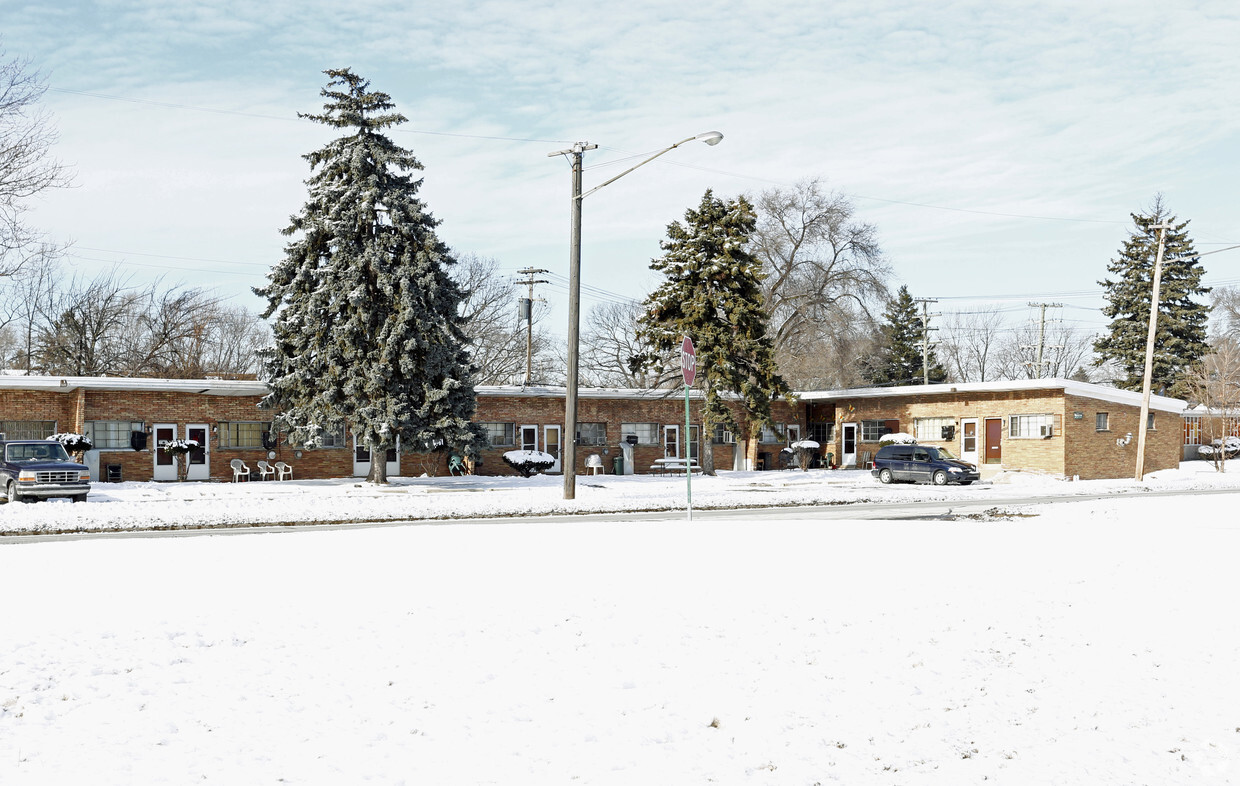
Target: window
29	429
242	434
822	433
499	434
647	433
873	430
325	438
1031	426
932	429
591	433
1102	422
772	433
723	436
111	434
1192	429
1149	423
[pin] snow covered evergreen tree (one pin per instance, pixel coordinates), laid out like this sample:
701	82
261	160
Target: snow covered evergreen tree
364	313
713	294
899	360
1181	330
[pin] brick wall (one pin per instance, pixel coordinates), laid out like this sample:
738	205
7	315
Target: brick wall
1097	454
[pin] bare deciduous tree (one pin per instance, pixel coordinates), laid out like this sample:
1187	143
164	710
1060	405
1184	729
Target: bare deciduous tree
498	338
825	276
1213	384
1226	311
26	165
1066	352
107	325
609	342
970	342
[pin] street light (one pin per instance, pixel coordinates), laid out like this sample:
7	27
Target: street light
569	440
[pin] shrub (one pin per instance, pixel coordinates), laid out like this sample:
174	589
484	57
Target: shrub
529	462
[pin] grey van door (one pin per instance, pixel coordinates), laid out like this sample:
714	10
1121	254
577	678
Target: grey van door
920	467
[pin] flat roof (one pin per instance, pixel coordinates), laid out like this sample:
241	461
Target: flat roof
1068	386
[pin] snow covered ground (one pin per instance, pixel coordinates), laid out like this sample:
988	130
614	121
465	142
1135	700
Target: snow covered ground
138	506
1083	643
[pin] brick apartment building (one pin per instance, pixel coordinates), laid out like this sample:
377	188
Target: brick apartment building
1058	427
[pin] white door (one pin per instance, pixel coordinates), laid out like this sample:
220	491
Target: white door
551	444
200	457
529	437
968	440
165	463
362	457
671	442
848	445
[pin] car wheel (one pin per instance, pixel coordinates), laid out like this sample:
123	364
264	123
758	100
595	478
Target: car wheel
79	498
884	475
939	478
10	493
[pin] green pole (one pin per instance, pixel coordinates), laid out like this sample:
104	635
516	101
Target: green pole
688	459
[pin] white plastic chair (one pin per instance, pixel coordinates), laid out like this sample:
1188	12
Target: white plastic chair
265	469
285	470
594	463
240	470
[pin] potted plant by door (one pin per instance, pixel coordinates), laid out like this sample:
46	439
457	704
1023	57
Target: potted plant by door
179	449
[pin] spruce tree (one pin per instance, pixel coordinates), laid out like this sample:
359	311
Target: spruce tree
1181	329
364	312
712	293
899	360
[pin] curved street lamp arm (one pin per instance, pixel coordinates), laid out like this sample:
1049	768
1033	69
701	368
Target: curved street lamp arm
710	138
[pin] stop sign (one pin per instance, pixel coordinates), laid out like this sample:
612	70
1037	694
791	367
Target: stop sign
688	360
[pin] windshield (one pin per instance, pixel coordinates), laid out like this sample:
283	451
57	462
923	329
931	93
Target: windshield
37	451
945	453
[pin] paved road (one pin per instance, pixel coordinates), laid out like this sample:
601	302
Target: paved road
866	511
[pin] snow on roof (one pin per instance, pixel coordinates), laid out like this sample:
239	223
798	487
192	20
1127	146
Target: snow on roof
210	387
1068	386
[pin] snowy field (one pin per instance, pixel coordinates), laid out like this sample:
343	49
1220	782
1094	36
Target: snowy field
1080	643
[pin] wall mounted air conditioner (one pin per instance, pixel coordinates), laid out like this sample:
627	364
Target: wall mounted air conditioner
1046	431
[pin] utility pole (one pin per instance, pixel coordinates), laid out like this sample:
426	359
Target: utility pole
527	313
1042	335
569	450
925	336
1143	426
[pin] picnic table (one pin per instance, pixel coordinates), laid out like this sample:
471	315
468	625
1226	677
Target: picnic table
673	466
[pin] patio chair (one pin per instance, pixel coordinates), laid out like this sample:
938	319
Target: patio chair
240	470
456	465
265	469
286	472
594	463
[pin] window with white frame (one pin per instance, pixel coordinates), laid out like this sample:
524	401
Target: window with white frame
1192	429
822	433
772	432
242	434
1031	426
647	433
592	434
111	434
27	429
723	436
931	429
500	434
1102	421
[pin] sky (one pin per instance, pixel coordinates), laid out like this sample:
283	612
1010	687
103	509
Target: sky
997	148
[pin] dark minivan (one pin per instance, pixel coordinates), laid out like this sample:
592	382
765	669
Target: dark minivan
922	464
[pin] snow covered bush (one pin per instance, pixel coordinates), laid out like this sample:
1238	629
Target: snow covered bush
804	451
898	438
179	449
529	462
73	443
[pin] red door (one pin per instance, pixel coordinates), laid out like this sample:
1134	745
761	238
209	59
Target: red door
994	437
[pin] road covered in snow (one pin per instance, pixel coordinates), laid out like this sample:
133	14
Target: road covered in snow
1090	642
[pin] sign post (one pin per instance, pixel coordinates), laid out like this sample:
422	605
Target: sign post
688	368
